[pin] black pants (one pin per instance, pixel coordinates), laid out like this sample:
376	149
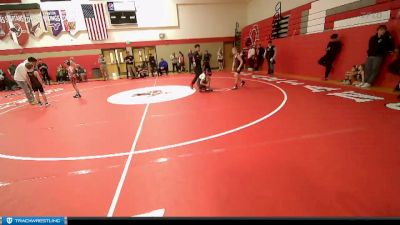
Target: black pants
160	71
175	66
197	72
259	63
46	77
327	62
251	62
190	66
207	67
271	66
8	84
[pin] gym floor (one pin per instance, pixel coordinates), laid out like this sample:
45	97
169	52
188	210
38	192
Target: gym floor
268	149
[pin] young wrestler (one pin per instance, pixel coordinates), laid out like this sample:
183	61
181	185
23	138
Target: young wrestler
237	67
36	84
73	77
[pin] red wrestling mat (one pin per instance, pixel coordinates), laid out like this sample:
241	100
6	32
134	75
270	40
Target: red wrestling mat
276	147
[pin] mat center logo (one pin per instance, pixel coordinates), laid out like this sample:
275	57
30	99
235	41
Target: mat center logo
150	95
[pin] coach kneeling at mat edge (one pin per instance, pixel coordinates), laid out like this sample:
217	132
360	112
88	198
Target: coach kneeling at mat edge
22	79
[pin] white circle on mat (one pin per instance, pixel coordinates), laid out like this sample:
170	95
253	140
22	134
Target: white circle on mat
150	95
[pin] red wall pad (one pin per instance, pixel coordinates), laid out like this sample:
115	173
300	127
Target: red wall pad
298	54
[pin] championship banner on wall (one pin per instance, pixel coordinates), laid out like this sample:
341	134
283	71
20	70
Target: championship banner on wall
75	20
53	21
4	28
18	30
35	24
64	20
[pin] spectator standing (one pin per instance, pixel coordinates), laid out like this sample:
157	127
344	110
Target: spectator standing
220	59
270	56
174	61
130	66
332	50
153	64
260	57
103	67
190	58
181	61
378	47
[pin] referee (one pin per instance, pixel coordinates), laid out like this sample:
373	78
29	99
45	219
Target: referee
197	64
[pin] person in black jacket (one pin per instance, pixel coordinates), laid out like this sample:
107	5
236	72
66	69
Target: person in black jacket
378	47
197	57
332	50
44	71
260	57
270	55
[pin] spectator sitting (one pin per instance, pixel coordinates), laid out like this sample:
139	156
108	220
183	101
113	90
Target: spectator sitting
2	85
81	73
163	67
11	70
357	72
5	83
61	74
142	70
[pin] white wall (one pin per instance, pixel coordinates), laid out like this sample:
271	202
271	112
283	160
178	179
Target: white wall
192	21
317	13
261	9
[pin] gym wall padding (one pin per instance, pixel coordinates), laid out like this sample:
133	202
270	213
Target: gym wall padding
298	54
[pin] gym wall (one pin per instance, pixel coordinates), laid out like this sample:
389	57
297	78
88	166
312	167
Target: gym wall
195	23
164	51
298	54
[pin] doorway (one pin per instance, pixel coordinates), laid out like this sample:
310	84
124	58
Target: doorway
115	59
141	55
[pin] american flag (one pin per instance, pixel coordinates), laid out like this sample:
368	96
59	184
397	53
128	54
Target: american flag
95	21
